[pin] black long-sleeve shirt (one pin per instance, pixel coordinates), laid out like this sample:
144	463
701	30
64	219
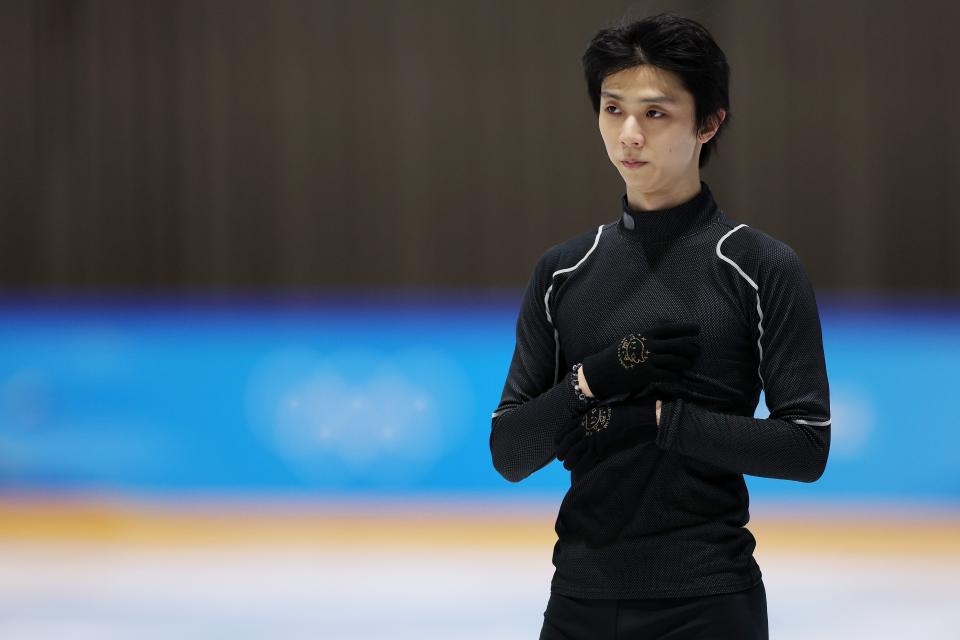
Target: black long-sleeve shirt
665	517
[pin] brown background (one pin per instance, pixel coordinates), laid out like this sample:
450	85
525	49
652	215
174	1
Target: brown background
205	145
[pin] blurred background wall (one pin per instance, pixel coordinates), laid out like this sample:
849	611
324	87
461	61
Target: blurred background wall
261	253
434	145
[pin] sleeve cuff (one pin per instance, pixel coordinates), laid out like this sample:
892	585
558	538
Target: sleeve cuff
575	406
635	416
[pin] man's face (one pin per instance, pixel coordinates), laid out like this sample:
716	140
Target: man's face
647	115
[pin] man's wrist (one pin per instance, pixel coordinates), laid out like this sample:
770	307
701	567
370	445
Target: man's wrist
583	401
582	381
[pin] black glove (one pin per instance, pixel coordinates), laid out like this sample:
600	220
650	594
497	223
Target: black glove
658	354
605	428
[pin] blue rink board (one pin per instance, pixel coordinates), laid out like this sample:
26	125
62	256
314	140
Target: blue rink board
393	394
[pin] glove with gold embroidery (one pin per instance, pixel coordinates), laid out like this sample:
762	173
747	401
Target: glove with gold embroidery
604	429
659	354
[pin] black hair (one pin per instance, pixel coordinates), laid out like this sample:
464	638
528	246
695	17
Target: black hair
671	42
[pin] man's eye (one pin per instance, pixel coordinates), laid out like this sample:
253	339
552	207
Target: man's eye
615	111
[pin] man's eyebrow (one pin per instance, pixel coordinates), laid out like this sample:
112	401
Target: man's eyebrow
650	99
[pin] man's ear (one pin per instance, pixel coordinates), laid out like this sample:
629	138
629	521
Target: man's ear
714	125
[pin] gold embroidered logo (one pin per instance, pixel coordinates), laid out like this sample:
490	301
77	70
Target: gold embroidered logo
597	419
632	350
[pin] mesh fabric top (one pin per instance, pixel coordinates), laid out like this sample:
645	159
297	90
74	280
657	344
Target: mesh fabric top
666	517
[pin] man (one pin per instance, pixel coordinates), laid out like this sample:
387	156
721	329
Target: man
642	348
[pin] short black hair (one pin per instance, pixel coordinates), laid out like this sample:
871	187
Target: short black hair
673	43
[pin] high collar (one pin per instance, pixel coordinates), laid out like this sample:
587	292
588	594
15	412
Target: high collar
663	224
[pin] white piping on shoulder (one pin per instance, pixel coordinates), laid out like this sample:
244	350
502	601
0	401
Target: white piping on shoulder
755	288
753	284
546	303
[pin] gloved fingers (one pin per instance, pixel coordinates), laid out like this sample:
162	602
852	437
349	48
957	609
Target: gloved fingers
639	433
631	410
641	392
688	347
673	330
669	390
610	441
641	415
670	362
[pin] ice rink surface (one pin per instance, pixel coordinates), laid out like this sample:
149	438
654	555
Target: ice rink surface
105	592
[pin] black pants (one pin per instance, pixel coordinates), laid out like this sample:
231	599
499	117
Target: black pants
737	616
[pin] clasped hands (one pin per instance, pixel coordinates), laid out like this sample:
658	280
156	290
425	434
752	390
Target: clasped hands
631	367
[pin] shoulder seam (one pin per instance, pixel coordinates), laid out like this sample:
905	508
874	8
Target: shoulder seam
735	265
546	301
755	288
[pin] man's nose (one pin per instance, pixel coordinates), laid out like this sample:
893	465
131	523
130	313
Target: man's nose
631	135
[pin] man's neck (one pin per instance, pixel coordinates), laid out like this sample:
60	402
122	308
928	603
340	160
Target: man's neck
676	194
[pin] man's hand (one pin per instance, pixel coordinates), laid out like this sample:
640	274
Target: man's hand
637	360
605	428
